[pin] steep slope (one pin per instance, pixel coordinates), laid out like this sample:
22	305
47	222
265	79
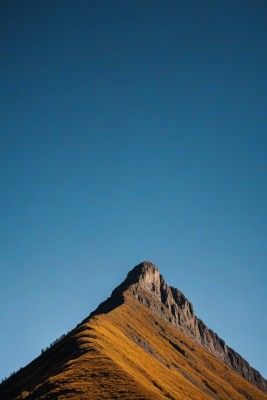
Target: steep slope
129	350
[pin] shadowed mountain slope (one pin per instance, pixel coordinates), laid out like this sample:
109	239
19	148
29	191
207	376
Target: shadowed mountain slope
144	342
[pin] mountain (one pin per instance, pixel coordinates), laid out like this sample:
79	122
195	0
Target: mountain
144	342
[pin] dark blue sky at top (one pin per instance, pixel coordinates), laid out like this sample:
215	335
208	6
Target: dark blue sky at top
132	130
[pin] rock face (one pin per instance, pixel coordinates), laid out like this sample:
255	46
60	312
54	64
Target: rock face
146	284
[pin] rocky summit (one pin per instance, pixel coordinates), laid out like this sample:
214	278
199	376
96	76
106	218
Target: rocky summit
148	286
143	342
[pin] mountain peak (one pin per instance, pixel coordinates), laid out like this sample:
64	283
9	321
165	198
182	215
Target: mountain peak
141	269
145	283
144	277
144	274
151	346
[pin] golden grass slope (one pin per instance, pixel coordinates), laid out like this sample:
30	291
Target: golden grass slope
128	353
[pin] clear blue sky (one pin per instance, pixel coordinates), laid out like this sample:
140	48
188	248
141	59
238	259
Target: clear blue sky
130	131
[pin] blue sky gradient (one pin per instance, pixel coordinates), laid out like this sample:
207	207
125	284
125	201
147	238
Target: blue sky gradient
131	131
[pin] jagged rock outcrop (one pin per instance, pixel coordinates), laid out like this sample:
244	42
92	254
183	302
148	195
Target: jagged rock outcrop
147	285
